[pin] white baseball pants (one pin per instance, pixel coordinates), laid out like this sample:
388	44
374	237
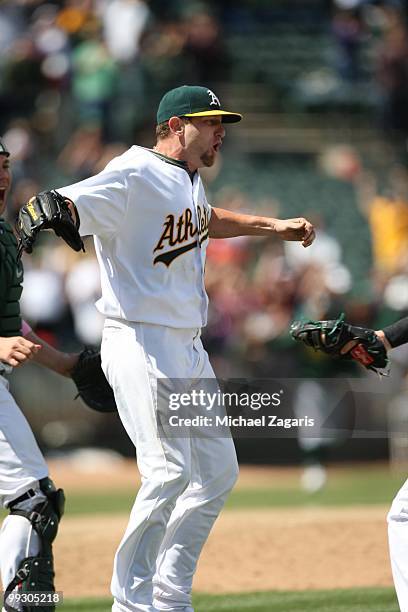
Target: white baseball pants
21	466
398	543
185	481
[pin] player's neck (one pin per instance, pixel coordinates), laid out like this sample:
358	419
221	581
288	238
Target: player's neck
173	150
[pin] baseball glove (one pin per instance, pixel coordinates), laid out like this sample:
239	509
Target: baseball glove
91	382
47	210
333	336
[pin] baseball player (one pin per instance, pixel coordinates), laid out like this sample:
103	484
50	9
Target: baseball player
151	221
392	336
369	348
35	506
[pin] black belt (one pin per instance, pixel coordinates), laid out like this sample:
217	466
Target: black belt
27	495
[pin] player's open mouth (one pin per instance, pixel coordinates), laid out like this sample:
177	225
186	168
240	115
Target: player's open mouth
2	194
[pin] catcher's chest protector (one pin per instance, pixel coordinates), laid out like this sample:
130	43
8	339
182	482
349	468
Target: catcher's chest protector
11	278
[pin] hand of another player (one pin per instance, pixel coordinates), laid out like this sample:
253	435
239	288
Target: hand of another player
17	350
380	334
298	229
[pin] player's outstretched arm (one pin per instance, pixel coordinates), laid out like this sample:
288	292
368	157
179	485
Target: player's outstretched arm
84	368
227	224
17	350
395	334
51	358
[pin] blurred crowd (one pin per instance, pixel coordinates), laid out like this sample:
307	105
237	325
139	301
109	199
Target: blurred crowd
383	26
101	63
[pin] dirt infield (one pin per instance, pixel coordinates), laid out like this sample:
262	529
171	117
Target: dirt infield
247	551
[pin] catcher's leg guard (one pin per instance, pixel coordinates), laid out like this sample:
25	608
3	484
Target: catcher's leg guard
37	573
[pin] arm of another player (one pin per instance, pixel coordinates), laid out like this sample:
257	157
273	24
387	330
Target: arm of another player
51	358
395	334
17	350
88	376
227	224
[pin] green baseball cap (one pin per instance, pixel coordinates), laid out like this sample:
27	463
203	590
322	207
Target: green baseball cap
193	101
3	150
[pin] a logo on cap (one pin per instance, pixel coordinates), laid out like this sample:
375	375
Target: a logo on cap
214	99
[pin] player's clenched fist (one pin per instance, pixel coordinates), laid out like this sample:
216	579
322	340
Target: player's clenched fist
17	350
299	229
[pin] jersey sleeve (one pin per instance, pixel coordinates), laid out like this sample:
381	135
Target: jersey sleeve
101	201
397	333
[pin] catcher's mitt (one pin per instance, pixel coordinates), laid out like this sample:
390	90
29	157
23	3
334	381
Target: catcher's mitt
358	343
47	210
91	382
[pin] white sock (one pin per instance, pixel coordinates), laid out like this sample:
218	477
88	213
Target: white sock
18	540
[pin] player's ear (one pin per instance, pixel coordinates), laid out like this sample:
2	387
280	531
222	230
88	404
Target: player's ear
176	125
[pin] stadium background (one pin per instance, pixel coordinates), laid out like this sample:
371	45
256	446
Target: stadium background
323	86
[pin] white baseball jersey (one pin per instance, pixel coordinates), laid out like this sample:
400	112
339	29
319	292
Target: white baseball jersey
150	222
